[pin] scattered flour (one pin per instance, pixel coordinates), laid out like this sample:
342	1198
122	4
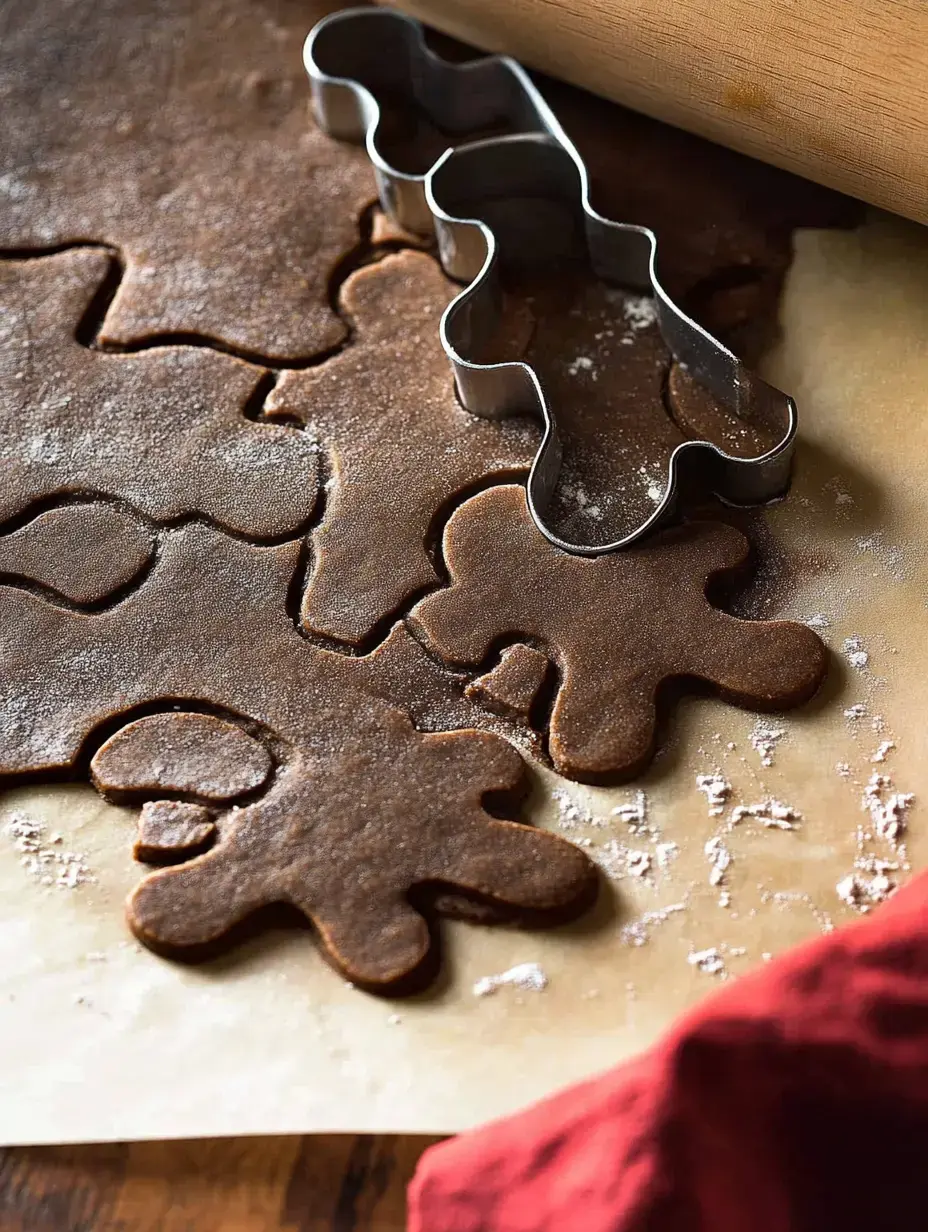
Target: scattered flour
528	976
717	790
886	746
771	813
571	813
710	961
855	654
785	899
719	858
862	893
578	495
640	311
635	813
887	808
764	738
638	863
855	712
638	931
619	861
841	496
890	556
42	856
582	363
665	853
818	621
873	864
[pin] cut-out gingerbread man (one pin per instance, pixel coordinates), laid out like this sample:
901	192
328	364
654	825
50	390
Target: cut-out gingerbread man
616	626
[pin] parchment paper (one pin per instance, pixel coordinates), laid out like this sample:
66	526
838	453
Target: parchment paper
102	1040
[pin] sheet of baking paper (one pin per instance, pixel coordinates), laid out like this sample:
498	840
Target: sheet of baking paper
100	1039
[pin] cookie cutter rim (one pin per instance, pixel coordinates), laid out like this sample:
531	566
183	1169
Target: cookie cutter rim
463	97
484	90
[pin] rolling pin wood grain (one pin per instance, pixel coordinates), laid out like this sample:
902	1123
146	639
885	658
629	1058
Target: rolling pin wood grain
835	90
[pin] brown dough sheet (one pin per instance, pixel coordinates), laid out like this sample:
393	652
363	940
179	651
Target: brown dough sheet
181	134
173	149
164	430
363	808
618	627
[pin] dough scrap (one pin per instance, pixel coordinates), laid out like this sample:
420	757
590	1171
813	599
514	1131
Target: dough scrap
363	810
172	830
163	430
436	697
617	627
82	552
513	684
182	134
181	753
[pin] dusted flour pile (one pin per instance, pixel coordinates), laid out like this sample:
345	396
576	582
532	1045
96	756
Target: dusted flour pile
716	790
43	856
765	738
529	977
770	813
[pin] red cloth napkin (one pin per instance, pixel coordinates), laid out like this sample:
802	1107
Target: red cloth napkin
794	1099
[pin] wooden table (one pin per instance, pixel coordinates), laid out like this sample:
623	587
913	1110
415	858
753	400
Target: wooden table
308	1184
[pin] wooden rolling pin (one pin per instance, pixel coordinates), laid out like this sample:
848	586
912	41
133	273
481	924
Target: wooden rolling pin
836	90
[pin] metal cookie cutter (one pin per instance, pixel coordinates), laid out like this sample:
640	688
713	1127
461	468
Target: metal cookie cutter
358	58
358	54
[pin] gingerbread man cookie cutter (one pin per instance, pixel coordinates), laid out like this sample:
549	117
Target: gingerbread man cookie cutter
358	57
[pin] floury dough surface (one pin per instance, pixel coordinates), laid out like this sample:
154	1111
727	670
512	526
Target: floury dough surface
194	754
84	1009
164	430
182	136
114	549
364	813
